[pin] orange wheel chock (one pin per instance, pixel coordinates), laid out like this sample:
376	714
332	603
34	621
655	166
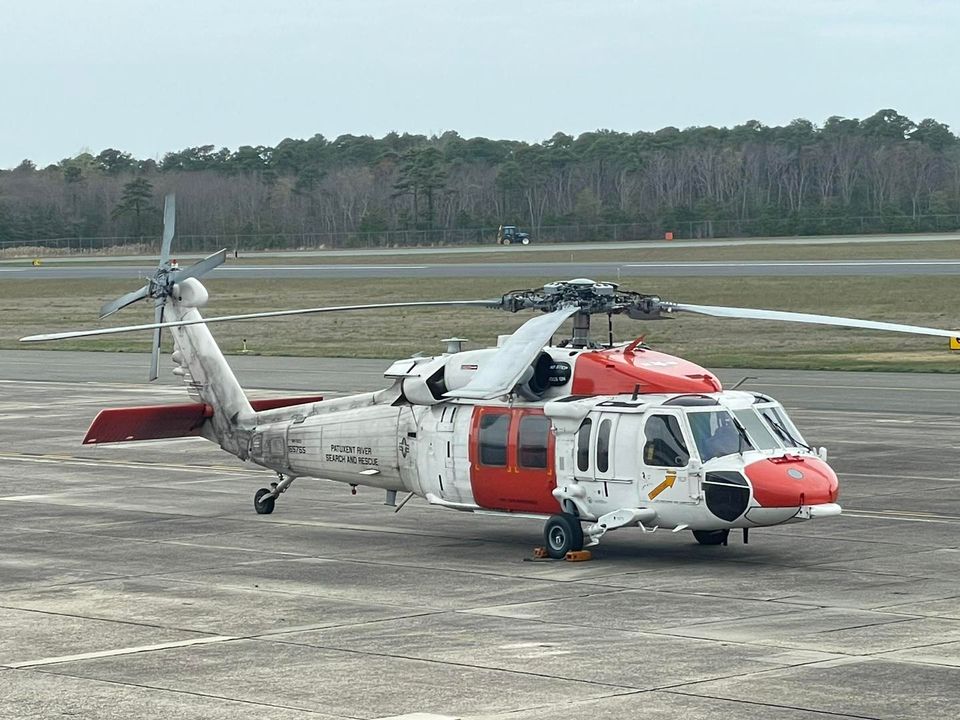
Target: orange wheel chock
578	556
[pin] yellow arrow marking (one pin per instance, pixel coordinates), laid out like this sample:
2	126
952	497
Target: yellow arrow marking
955	343
667	483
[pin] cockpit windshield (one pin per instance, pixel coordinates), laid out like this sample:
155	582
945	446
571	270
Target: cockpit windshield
716	434
776	418
757	430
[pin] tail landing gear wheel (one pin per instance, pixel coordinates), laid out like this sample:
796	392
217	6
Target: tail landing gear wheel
711	537
562	534
263	505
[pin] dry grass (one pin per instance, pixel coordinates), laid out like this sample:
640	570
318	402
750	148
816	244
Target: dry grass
34	306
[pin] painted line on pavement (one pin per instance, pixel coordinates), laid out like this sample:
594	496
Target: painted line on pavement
120	651
248	268
794	263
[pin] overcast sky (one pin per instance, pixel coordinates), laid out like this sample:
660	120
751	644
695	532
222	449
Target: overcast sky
151	76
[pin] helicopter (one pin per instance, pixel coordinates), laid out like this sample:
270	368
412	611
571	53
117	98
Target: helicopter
588	437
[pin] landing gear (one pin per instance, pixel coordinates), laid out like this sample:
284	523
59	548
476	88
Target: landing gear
263	501
562	534
711	537
265	498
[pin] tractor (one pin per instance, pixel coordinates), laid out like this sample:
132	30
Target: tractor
509	235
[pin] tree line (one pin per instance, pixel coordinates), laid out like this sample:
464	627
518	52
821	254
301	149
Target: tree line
777	178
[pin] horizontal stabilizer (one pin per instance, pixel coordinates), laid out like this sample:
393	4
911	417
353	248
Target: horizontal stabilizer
150	422
274	403
157	422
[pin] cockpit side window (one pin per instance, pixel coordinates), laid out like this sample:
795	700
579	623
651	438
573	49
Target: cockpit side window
664	445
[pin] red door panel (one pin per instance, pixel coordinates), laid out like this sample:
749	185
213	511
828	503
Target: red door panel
511	478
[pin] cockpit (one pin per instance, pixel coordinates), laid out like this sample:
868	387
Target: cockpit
718	428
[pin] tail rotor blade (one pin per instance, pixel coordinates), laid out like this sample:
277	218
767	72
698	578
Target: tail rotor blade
203	266
155	352
169	226
121	302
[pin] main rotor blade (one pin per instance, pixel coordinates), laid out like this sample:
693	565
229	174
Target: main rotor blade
502	372
756	314
202	267
494	303
169	226
155	351
121	302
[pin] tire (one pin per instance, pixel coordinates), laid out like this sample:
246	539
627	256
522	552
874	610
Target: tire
711	537
525	241
263	506
562	534
506	241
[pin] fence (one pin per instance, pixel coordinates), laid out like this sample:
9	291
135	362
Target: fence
625	232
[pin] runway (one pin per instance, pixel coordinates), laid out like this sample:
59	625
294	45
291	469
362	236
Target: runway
604	270
136	581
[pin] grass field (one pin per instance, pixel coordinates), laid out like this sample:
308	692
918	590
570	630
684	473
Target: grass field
34	306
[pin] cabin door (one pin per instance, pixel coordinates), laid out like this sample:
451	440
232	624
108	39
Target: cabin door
665	460
512	460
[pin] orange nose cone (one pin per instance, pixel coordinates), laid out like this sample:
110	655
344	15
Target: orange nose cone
792	481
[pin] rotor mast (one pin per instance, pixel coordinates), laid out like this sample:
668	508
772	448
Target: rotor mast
581	330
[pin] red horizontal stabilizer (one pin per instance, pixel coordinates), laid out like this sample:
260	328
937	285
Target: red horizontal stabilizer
154	422
150	422
274	403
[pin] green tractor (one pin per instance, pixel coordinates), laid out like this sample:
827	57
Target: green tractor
509	235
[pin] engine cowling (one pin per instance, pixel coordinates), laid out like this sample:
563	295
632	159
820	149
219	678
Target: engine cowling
426	382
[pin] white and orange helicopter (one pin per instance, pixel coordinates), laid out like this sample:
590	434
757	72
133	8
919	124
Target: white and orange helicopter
590	438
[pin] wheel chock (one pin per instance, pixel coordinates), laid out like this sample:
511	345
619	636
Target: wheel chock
540	553
578	556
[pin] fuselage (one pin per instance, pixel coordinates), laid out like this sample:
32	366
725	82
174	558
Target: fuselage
591	443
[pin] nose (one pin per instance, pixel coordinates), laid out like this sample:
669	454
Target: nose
791	481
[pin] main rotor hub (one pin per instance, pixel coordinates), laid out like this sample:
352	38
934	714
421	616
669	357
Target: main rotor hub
589	296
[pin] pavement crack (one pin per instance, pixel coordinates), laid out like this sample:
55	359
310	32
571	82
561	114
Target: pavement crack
777	706
189	693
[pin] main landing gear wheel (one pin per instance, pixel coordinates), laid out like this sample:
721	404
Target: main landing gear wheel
263	505
562	534
711	537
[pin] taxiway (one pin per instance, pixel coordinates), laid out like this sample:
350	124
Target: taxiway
136	581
